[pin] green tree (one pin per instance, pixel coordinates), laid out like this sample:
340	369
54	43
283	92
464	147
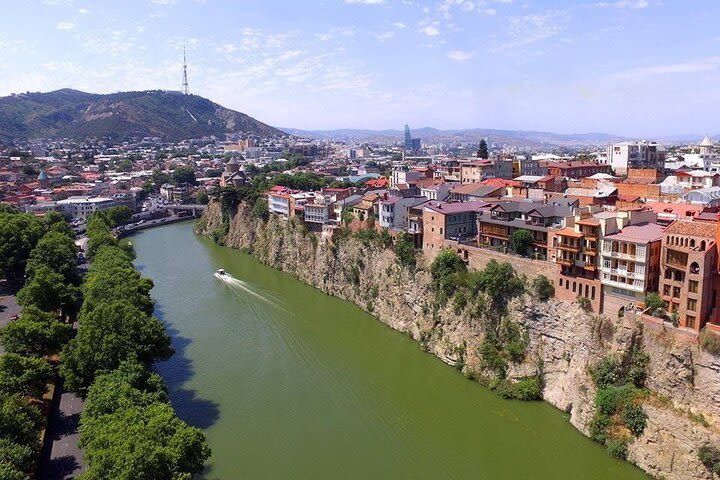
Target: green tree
201	197
16	456
25	376
500	282
103	286
260	209
142	443
654	302
183	175
543	288
35	333
20	422
117	216
108	335
404	249
130	385
9	472
521	241
19	233
159	178
483	149
48	291
57	252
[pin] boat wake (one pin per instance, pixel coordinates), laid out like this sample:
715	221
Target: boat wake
233	282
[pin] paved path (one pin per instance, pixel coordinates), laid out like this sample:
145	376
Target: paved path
62	459
8	306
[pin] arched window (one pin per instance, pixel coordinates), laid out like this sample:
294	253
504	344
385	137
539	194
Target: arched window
668	273
702	245
692	243
694	268
574	286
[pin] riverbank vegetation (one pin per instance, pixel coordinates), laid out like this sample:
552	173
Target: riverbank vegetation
619	416
129	430
39	252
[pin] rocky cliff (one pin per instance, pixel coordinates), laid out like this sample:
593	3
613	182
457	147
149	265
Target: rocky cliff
683	407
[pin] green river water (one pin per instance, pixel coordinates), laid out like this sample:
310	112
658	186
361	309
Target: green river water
289	383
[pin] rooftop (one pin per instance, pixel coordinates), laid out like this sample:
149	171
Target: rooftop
641	233
693	229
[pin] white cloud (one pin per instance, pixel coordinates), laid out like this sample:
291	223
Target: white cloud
385	35
460	55
226	48
64	26
430	30
83	11
704	65
625	4
364	2
490	11
399	25
535	27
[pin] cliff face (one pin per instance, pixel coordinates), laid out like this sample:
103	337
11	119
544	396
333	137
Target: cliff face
564	341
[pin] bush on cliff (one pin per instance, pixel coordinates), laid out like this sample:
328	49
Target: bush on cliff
405	250
710	457
529	388
543	288
710	341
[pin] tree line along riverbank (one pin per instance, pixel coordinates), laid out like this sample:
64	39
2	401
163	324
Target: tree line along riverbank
128	430
640	393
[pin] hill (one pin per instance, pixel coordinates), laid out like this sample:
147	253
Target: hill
521	138
73	114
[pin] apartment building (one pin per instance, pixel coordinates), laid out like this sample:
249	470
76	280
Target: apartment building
499	222
625	155
316	214
477	170
279	203
575	169
629	265
83	207
393	211
442	220
575	248
688	271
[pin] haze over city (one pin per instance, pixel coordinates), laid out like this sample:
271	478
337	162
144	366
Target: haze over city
644	68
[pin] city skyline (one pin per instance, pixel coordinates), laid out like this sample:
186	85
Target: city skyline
626	67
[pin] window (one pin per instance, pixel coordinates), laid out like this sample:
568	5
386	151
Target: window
676	292
692	304
693	286
690	321
666	290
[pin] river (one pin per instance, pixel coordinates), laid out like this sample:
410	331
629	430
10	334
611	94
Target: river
288	382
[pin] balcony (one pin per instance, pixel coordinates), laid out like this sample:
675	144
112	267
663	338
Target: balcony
626	286
568	247
624	256
568	262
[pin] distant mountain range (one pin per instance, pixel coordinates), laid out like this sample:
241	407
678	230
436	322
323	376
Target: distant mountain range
155	113
519	138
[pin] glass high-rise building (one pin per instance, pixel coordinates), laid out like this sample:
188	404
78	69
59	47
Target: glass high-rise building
408	139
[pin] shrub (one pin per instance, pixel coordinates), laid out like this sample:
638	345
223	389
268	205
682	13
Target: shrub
618	448
543	288
654	302
260	209
529	388
606	373
710	457
584	303
491	355
709	341
635	418
637	373
405	250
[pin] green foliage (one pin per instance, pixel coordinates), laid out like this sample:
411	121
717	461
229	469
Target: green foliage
385	239
20	422
141	443
584	303
521	241
483	149
25	376
528	388
491	355
260	209
500	282
229	199
543	288
130	385
183	174
367	236
405	250
16	456
102	286
637	371
35	333
447	271
606	373
48	292
635	418
301	181
709	456
19	233
9	472
653	301
618	448
709	341
201	197
109	334
57	252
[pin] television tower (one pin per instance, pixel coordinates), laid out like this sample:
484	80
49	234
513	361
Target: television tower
185	88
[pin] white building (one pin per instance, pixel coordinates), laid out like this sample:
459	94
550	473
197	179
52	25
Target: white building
393	211
83	207
625	155
400	176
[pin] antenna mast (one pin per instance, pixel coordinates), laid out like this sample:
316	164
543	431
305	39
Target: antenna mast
185	88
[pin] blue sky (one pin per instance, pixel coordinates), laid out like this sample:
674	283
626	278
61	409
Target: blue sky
646	68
